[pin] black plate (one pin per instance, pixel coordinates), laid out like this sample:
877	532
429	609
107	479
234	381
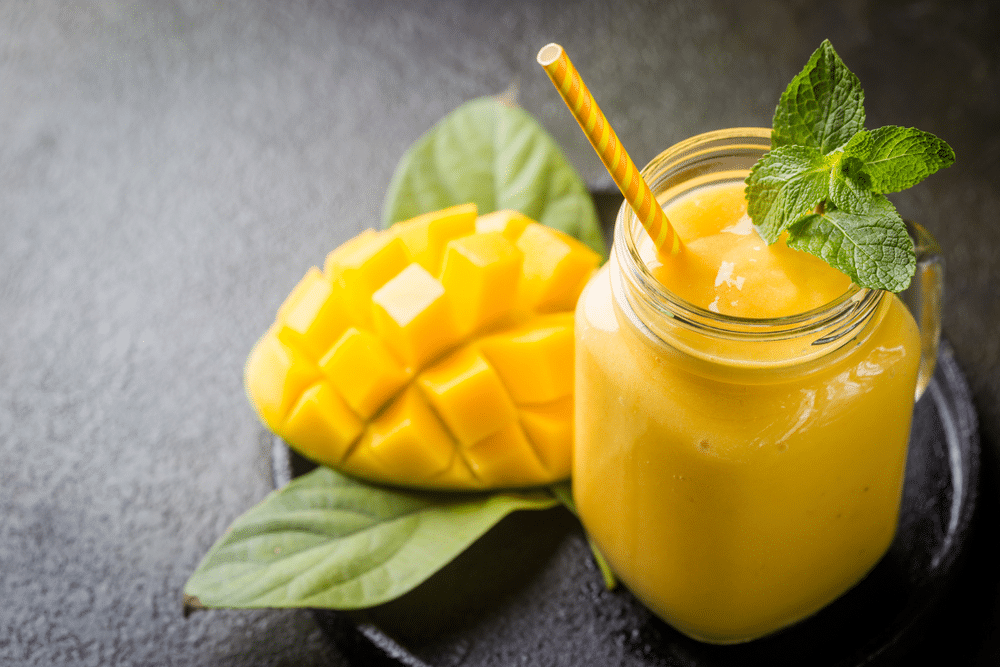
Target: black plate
528	592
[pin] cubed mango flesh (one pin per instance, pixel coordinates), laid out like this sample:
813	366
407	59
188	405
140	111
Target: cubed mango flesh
478	272
435	354
425	236
555	269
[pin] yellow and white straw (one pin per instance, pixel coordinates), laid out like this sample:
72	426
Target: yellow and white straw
602	137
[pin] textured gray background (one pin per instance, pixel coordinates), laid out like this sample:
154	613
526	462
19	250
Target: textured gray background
168	170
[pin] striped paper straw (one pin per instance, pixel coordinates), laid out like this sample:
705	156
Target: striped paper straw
602	137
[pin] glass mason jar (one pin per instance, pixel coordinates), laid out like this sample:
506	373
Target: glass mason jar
739	474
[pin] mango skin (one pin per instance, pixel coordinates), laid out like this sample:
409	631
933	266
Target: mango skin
435	354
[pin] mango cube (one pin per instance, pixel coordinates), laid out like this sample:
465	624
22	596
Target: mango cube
506	459
509	223
555	268
413	316
468	394
435	354
363	265
549	427
409	435
364	372
478	271
426	235
276	375
312	276
321	425
535	359
313	319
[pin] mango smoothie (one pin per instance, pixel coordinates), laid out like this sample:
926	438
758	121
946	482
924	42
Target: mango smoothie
742	418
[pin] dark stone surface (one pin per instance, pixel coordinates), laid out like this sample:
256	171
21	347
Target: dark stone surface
168	170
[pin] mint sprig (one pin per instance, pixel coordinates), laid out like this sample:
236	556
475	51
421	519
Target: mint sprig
825	178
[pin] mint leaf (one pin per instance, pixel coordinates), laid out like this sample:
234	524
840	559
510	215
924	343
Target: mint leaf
822	107
826	175
898	158
331	541
860	144
872	248
850	185
497	156
784	185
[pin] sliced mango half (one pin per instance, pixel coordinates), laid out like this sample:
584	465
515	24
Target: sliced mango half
435	354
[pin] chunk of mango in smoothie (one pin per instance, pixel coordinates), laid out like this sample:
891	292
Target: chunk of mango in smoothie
435	354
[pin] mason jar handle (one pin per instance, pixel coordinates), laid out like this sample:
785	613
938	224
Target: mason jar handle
924	298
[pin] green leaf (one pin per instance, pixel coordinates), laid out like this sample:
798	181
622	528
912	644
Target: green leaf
328	540
860	144
898	158
564	492
822	107
854	227
784	185
850	186
872	248
497	156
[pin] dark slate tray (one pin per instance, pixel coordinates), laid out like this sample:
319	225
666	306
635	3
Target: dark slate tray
528	592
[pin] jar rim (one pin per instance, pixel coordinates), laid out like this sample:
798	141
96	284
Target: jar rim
856	300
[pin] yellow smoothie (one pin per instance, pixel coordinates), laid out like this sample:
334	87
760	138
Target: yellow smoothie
735	480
